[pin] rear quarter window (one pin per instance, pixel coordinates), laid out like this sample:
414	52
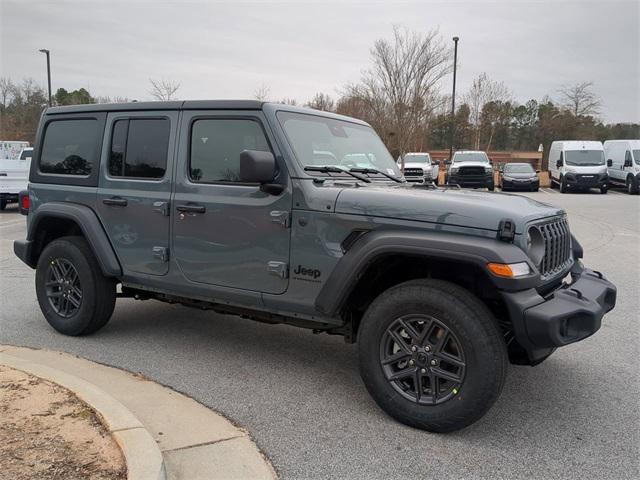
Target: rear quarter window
69	150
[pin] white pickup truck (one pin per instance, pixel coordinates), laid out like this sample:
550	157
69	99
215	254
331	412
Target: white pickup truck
15	160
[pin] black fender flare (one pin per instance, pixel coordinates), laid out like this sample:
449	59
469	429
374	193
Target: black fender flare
435	244
91	228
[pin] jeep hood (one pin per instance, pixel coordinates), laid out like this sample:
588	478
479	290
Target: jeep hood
464	208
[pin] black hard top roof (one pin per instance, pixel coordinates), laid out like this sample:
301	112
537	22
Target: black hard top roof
170	105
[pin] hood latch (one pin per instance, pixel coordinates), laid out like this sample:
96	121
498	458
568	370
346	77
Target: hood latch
506	230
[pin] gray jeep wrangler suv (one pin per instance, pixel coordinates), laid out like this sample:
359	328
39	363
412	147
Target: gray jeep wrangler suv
288	215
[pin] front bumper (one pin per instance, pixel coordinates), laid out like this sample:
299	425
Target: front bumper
568	314
527	184
587	181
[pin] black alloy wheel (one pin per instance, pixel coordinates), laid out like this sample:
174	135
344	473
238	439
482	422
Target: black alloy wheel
63	288
422	359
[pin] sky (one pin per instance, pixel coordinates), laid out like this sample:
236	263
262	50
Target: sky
229	49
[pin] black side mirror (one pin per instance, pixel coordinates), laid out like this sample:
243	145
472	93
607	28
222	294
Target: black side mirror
627	163
259	167
559	164
609	163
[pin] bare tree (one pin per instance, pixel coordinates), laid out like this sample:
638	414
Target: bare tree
321	101
580	100
288	101
262	93
115	99
163	89
401	87
484	90
6	90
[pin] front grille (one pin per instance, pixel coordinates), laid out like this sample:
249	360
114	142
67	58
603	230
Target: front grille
588	179
557	242
413	172
471	171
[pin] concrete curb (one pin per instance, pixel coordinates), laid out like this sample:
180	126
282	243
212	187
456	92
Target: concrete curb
142	455
163	434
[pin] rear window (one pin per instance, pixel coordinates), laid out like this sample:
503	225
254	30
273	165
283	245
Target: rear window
69	147
26	154
139	148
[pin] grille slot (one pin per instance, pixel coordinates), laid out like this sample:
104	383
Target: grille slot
413	172
557	242
471	171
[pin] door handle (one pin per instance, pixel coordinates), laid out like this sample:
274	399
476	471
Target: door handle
191	208
116	201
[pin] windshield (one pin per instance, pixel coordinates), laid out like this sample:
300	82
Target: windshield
636	156
26	154
322	141
460	157
584	158
520	168
422	158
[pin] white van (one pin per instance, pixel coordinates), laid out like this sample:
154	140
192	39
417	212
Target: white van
578	165
623	161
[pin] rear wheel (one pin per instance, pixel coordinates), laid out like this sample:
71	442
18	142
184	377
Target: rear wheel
632	187
431	355
74	296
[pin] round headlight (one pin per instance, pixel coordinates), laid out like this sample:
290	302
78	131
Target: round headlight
535	245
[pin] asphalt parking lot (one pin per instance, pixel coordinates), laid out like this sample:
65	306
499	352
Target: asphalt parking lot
577	415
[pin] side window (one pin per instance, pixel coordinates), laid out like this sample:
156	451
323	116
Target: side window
139	148
216	145
627	157
561	157
69	147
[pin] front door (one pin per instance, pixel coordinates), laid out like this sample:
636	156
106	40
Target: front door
135	188
225	232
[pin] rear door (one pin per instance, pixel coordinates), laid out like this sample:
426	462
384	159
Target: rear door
225	232
135	188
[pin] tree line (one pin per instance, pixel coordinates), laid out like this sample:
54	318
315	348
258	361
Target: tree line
402	95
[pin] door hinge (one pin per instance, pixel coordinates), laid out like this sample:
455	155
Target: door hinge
280	269
283	218
162	208
161	253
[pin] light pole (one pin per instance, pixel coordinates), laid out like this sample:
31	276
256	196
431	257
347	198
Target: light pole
46	52
453	96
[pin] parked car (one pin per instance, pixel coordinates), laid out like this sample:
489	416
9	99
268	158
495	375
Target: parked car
519	176
471	168
578	165
623	162
418	167
14	171
221	205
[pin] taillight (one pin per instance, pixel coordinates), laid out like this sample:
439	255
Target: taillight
24	202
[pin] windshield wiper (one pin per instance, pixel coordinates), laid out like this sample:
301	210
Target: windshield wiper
332	169
375	170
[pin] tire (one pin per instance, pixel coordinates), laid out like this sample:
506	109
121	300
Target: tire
491	188
535	189
472	330
71	259
604	190
3	204
631	188
563	185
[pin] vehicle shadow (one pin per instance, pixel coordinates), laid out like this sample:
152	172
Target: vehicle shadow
562	394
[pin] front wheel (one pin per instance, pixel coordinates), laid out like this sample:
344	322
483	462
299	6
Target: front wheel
431	355
632	187
74	296
3	204
604	190
491	187
563	185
